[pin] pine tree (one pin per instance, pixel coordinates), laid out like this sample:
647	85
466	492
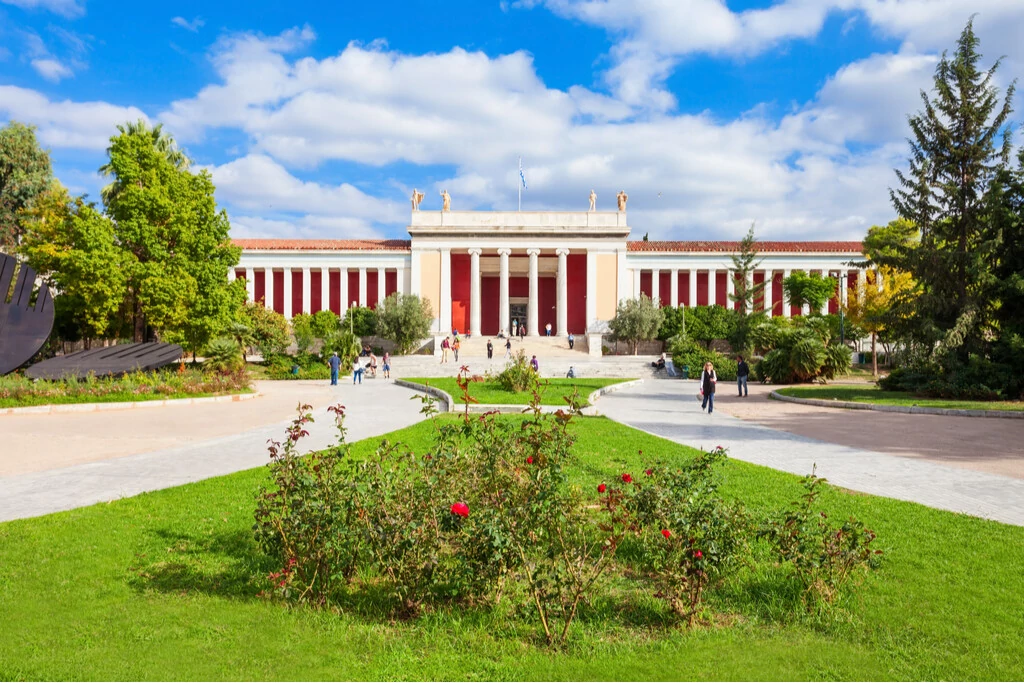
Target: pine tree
960	142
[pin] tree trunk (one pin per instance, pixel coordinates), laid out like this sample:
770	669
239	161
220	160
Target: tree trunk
140	322
874	355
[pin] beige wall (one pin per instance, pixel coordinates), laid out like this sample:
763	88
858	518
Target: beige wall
430	279
607	287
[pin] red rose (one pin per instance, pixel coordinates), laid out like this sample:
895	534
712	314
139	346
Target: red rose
628	478
698	554
460	509
666	533
529	460
648	472
602	488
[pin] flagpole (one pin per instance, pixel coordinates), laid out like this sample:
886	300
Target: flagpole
519	184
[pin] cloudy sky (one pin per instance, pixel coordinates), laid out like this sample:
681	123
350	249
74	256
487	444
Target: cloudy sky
317	120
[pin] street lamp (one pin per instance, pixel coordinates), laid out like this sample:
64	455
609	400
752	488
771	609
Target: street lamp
351	328
842	299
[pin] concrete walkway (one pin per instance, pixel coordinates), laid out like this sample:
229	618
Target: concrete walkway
372	408
669	409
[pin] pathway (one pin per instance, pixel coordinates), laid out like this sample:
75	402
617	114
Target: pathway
669	409
210	440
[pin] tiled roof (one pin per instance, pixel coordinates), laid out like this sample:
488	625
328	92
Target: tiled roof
762	247
322	245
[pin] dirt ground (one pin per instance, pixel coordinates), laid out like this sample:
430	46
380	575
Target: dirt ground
985	444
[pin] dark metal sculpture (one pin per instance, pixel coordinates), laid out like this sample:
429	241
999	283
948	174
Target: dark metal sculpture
108	360
24	327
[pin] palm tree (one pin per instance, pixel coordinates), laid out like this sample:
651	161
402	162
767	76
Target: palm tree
163	142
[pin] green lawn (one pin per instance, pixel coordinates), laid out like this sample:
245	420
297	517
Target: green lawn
552	390
124	396
159	586
872	394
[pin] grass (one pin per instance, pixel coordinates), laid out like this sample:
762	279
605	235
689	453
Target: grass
552	390
123	396
160	586
872	394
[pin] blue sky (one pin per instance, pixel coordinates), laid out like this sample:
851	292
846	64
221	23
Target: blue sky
317	120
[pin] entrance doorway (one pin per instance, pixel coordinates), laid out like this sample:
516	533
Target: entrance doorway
516	311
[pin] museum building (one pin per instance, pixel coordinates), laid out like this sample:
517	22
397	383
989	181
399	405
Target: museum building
482	270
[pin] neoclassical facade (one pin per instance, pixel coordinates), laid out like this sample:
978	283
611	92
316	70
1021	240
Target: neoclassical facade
484	271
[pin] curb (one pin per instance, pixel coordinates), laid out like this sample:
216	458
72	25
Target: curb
916	410
56	408
475	408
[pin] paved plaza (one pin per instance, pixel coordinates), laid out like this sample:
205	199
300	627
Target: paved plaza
62	461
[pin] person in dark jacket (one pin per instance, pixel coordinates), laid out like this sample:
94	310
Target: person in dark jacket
742	371
708	379
490	349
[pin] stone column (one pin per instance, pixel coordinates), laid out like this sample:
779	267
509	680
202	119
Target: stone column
636	283
382	278
232	275
674	289
250	284
268	288
306	291
362	286
656	286
503	322
446	291
343	300
591	289
400	280
787	308
692	286
712	286
325	289
730	288
769	286
563	293
824	306
474	292
532	309
287	303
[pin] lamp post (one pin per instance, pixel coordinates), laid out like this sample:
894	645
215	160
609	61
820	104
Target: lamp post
351	325
842	317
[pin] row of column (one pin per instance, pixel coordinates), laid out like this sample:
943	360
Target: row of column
730	287
532	309
325	284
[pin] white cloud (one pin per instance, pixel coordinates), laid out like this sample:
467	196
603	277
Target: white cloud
51	69
304	227
66	124
70	9
192	26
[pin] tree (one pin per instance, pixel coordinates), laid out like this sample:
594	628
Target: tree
707	324
404	319
960	144
71	245
302	329
361	321
745	291
162	142
636	320
873	308
1007	213
268	329
324	324
812	289
25	173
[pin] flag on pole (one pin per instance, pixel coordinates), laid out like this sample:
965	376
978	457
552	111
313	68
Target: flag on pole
521	176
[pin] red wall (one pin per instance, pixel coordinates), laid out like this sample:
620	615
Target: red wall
665	287
296	292
460	292
260	285
548	299
702	289
335	294
279	291
371	288
353	288
518	286
833	303
390	283
315	291
759	304
645	282
490	301
777	295
576	282
684	288
720	292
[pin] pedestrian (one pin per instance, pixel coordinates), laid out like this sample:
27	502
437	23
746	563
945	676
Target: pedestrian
708	379
742	371
535	365
547	330
508	349
445	345
572	373
572	339
335	364
522	331
515	327
490	349
387	365
455	348
357	373
372	365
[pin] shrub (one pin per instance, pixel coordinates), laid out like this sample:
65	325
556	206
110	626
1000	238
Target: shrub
518	374
361	321
686	352
636	320
223	357
800	351
302	329
707	324
404	319
673	324
268	329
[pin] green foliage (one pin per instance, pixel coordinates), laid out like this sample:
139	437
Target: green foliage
799	351
708	324
746	291
812	289
223	356
673	324
302	328
25	173
636	320
518	375
268	329
686	352
345	344
823	556
404	319
361	321
325	324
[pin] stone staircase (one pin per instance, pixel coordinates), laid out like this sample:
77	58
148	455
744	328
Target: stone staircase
544	347
553	364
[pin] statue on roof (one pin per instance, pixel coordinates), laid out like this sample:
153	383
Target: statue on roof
446	201
593	200
622	197
417	197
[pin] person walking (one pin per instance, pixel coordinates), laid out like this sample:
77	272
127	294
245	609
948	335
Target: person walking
508	349
742	371
535	365
522	331
335	364
515	327
490	349
387	365
708	379
547	330
445	345
572	339
456	345
357	373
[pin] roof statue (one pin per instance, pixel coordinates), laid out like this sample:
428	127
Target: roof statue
622	197
417	197
446	201
593	200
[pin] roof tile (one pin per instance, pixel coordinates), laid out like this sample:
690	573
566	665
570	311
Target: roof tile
322	245
762	247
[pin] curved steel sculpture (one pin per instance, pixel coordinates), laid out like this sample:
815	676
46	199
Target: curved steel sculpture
24	327
107	360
